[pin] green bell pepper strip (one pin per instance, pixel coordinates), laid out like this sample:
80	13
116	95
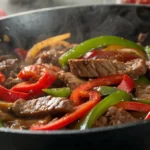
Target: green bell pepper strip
58	92
105	90
142	81
145	101
101	108
94	43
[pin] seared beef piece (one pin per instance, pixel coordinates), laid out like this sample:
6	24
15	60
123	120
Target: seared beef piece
10	82
41	106
143	91
70	79
103	67
52	54
6	66
114	116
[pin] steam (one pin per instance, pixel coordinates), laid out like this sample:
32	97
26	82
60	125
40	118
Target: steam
15	6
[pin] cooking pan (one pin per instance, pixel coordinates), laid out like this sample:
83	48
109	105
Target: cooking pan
83	22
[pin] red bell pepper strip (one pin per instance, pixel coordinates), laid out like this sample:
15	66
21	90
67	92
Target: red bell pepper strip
147	116
103	81
33	72
2	78
35	89
78	112
21	53
134	106
127	84
11	96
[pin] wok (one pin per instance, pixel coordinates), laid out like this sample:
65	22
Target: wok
83	22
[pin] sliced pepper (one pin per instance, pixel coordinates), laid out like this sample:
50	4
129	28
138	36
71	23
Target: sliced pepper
35	89
2	78
108	80
145	101
58	92
78	112
106	90
48	42
94	43
102	107
134	106
12	96
127	84
147	116
142	81
21	53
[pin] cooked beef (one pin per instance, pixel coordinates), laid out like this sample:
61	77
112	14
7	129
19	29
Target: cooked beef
143	91
6	66
103	67
70	79
10	82
114	116
52	54
41	106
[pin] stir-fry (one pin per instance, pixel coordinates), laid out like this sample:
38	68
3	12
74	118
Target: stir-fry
57	85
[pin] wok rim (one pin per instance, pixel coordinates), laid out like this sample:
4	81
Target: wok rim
67	7
73	132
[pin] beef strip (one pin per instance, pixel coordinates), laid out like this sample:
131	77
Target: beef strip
70	79
114	116
6	66
143	91
103	67
52	54
41	106
66	77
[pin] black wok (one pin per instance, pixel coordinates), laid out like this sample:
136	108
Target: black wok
83	22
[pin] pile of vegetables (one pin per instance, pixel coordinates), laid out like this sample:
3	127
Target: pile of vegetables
101	93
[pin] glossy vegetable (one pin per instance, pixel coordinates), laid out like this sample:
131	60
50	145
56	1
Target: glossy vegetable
58	92
127	84
142	81
94	43
106	90
134	106
2	78
12	96
102	107
32	73
145	101
108	80
35	89
21	53
78	112
147	116
48	42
